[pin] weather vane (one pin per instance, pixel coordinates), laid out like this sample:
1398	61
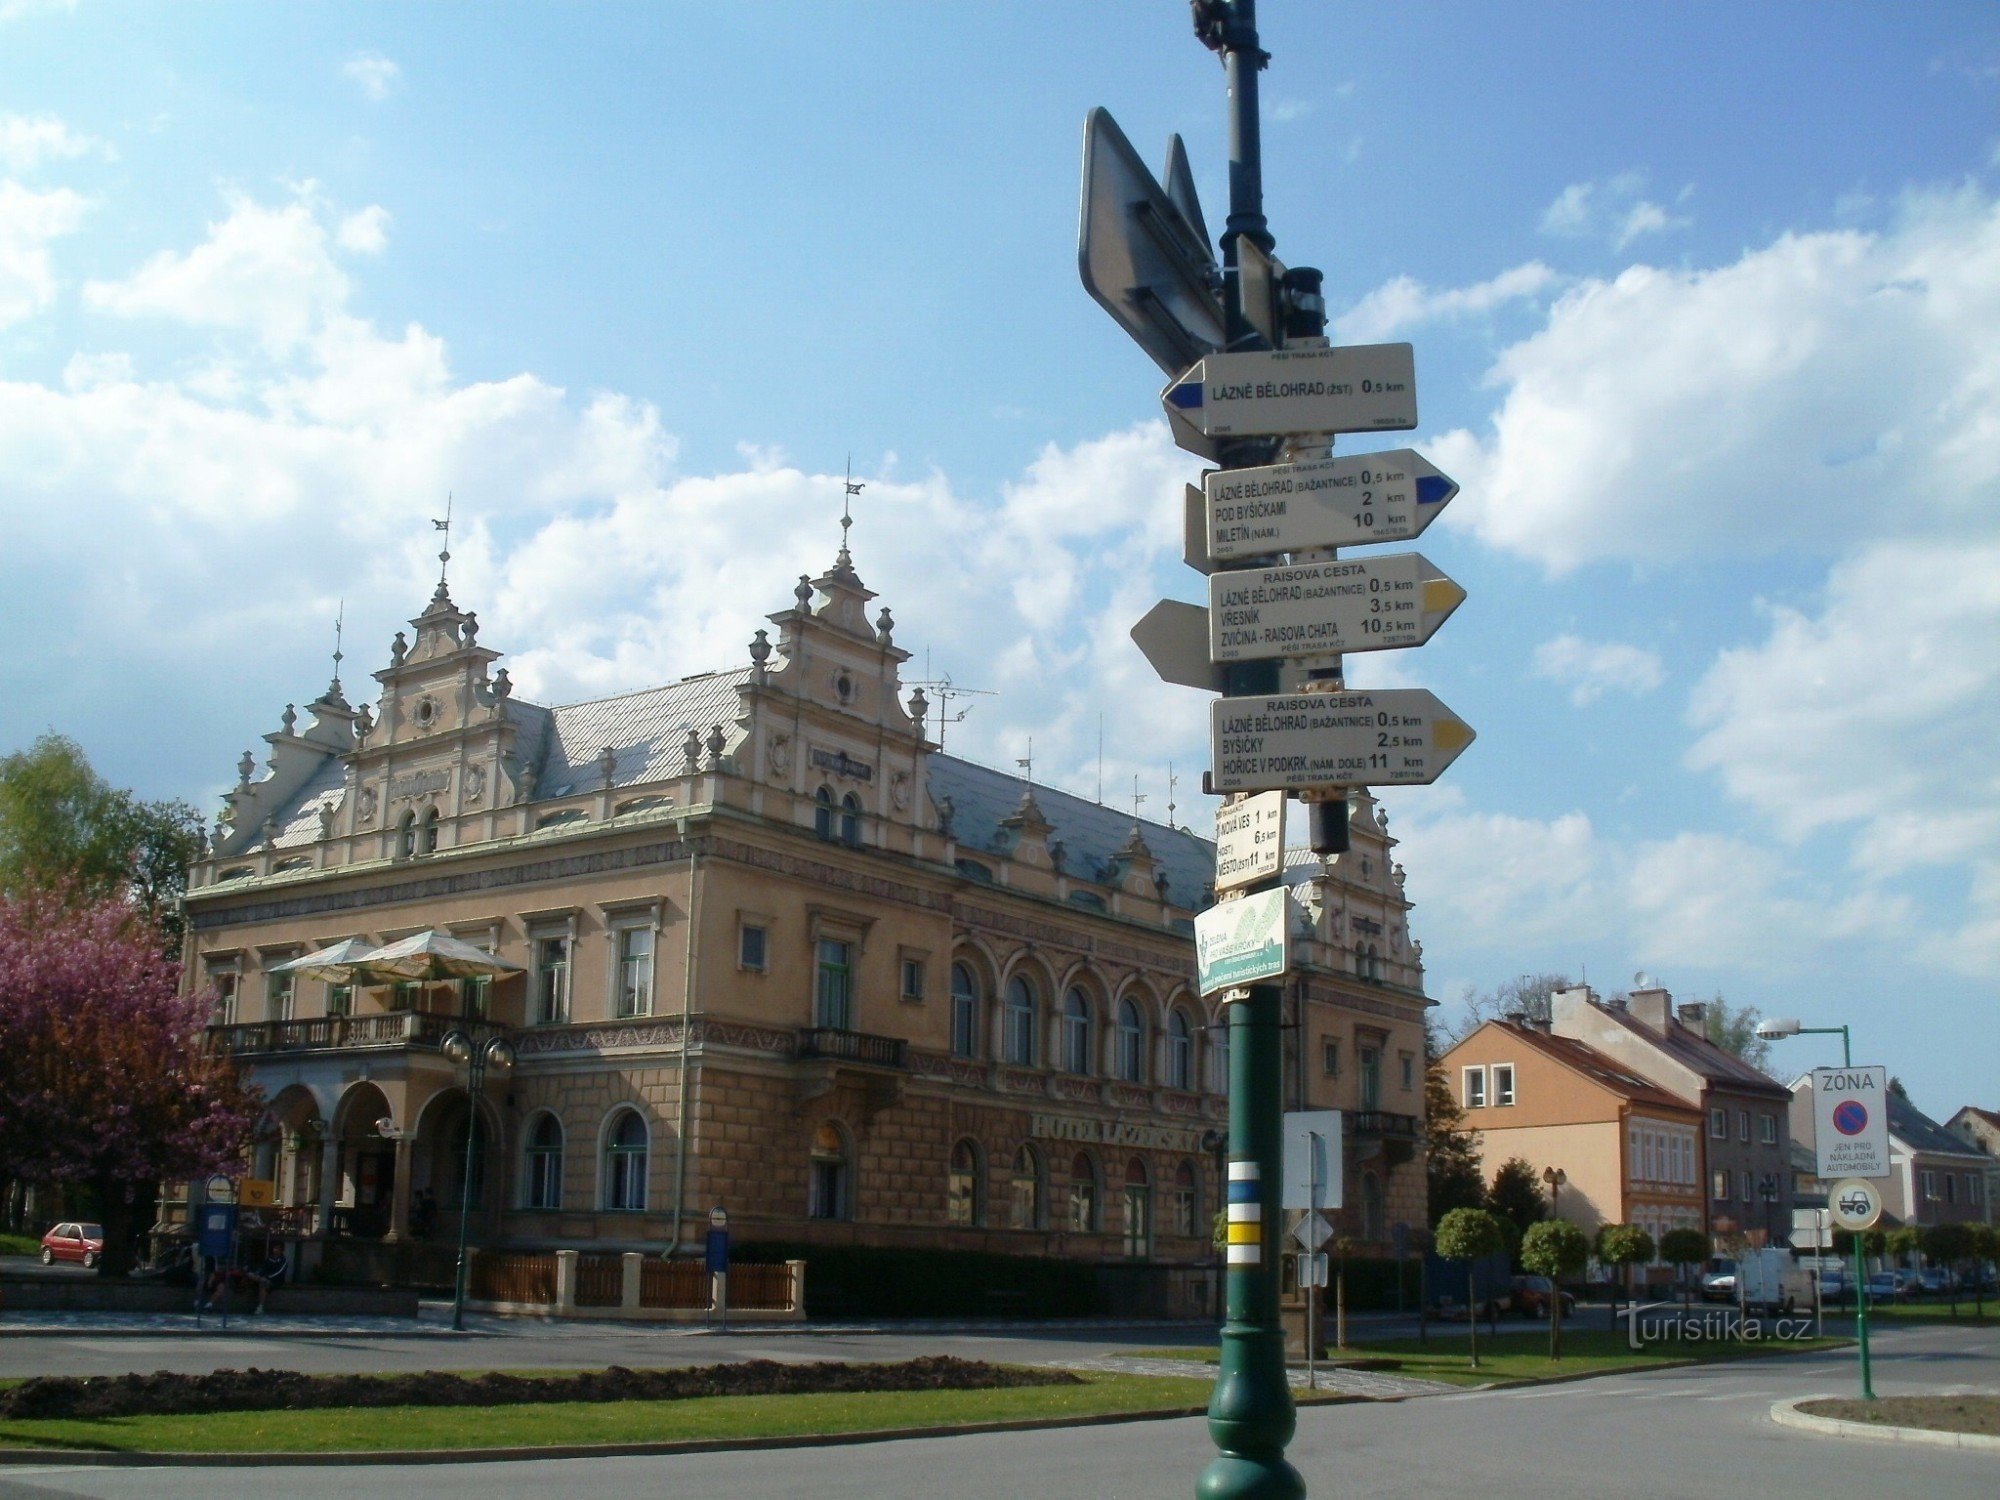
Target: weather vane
1027	762
853	487
339	625
1138	797
444	557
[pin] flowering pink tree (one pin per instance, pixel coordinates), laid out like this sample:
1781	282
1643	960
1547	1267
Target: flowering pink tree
104	1078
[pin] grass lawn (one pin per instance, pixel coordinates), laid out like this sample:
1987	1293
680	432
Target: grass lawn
1927	1312
727	1417
1518	1354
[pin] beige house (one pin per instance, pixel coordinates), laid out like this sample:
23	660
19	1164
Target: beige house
1980	1129
771	950
1630	1152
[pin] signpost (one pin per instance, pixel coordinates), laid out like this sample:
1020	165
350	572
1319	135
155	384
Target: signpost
1237	943
1315	609
1276	392
1249	841
1395	737
1331	502
1855	1204
1851	1121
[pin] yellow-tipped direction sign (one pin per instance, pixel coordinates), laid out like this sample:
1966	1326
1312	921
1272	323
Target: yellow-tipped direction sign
1316	609
1396	737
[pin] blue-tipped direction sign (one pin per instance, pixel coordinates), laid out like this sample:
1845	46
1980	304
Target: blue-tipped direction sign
1271	392
1331	502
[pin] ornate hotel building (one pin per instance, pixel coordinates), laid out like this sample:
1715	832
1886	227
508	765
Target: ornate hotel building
773	951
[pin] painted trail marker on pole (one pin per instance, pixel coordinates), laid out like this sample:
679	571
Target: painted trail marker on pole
1274	392
1394	737
1315	609
1330	502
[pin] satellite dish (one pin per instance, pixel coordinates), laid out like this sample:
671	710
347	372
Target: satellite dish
1642	980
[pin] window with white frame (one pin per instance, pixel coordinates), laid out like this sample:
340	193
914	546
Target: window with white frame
964	1012
1930	1186
543	1165
278	997
551	980
912	968
1719	1185
635	972
1475	1088
1020	1023
1180	1051
225	979
1329	1057
625	1154
833	986
1742	1124
1131	1043
1769	1127
1409	1067
1503	1083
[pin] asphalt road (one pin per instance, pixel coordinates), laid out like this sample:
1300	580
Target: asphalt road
1687	1434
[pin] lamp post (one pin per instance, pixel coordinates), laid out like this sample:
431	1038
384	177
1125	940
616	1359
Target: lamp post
475	1059
1216	1144
1555	1177
1777	1029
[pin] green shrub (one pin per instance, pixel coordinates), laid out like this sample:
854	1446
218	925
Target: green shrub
19	1244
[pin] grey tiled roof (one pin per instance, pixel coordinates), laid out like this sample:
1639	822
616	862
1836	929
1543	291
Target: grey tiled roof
1090	833
300	825
646	731
1920	1132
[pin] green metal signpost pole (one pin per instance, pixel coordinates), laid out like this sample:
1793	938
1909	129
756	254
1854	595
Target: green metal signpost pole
1250	1415
1860	1281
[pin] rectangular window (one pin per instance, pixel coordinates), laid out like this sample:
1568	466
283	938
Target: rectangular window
1972	1191
1930	1185
225	981
833	988
1718	1124
1503	1083
635	972
1770	1130
1749	1194
752	947
1409	1062
277	997
1720	1188
472	997
1950	1185
1475	1088
1742	1124
551	981
913	981
1329	1057
340	999
405	994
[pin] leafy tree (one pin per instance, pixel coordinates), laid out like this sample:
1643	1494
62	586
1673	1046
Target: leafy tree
1555	1248
62	826
1469	1234
1873	1241
1684	1248
1516	1195
104	1078
1982	1245
1451	1161
1896	1087
1530	994
1904	1241
1622	1246
1733	1028
1947	1245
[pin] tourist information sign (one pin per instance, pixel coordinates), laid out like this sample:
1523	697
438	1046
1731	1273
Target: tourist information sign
1314	609
1237	943
1268	392
1851	1122
1249	841
1330	502
1394	737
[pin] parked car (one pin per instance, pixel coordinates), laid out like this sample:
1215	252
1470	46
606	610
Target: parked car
1936	1281
1886	1286
1833	1286
1531	1297
82	1243
1718	1282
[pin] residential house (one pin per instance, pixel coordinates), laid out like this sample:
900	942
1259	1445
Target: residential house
1935	1177
1980	1128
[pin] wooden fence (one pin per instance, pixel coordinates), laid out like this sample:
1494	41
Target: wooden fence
524	1279
600	1280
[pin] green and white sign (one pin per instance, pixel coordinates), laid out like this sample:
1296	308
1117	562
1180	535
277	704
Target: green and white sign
1241	942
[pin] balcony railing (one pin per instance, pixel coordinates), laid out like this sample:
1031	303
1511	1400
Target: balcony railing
851	1046
403	1028
1375	1124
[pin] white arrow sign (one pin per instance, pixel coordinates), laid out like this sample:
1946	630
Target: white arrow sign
1315	609
1331	502
1363	388
1174	638
1396	737
1249	840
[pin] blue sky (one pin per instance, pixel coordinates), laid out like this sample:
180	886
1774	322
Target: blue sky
1705	300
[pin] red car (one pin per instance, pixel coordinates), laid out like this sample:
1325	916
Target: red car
1531	1297
83	1243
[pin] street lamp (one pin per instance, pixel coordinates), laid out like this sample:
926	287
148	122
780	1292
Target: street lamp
1555	1177
1781	1027
475	1059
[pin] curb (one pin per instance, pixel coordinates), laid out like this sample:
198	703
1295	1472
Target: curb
1787	1414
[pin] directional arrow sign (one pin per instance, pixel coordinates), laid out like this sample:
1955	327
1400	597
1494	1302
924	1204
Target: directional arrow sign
1396	737
1174	639
1331	502
1267	392
1315	609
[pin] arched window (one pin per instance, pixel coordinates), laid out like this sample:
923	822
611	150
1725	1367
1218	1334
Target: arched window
406	835
1020	1023
823	813
1180	1050
963	1199
964	1012
1219	1051
1076	1032
829	1189
625	1162
1187	1200
850	820
430	831
544	1174
1083	1194
1024	1205
1361	960
1131	1060
1138	1211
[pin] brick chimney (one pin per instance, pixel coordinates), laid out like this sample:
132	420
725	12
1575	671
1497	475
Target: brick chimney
1694	1016
1652	1008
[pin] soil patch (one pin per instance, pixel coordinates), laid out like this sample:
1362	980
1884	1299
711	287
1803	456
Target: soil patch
165	1394
1979	1414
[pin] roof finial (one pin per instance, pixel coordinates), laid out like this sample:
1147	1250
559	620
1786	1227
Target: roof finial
1027	762
853	488
339	627
1138	797
1173	785
444	556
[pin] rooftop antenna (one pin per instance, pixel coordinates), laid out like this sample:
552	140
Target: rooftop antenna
943	692
444	556
853	487
1137	798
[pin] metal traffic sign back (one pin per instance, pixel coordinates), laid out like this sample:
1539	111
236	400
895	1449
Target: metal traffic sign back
1313	609
1393	737
1142	249
1312	1231
1331	502
1249	840
1273	392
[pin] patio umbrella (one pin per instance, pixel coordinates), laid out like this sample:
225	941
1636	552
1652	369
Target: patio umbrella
346	962
434	955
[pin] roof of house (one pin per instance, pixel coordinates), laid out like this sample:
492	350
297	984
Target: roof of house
1920	1132
1989	1116
646	732
1701	1056
1580	1057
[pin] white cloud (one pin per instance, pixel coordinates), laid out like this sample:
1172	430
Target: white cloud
1285	111
26	141
366	232
28	222
21	10
1820	390
1612	210
375	75
1590	669
1404	302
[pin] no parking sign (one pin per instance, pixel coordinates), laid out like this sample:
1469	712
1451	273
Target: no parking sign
1851	1121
